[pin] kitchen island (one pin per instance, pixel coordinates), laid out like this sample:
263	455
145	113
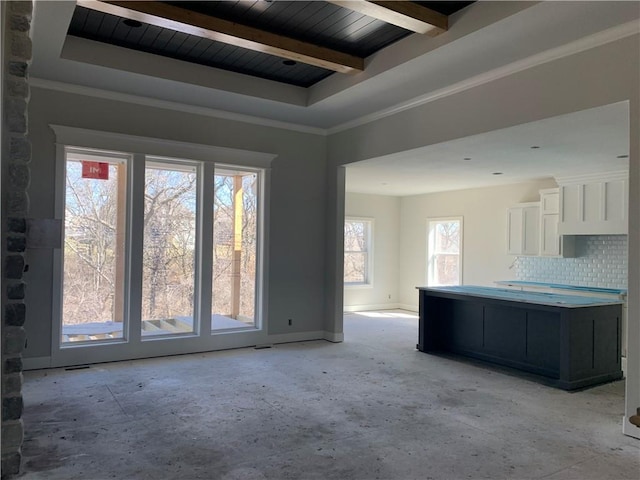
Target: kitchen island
566	341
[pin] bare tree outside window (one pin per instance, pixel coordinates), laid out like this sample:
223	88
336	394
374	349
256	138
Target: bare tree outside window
95	248
357	246
168	258
235	231
444	252
92	215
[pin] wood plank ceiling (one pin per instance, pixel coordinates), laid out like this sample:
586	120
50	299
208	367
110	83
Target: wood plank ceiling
294	42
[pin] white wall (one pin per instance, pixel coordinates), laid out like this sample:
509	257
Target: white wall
385	213
484	212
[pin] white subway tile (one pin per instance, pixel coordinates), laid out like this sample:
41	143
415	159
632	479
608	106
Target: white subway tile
602	263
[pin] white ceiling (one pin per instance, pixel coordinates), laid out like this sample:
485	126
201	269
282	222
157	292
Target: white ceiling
584	142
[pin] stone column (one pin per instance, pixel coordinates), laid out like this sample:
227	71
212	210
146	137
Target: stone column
16	157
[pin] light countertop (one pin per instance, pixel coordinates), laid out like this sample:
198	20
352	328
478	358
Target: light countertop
539	298
558	286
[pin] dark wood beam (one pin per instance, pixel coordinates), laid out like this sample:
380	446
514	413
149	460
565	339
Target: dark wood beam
407	15
205	26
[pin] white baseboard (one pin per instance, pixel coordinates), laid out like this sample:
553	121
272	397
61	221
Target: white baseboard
36	363
629	429
223	342
334	337
408	308
295	337
375	306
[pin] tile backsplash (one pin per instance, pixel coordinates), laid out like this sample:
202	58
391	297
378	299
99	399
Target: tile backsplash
601	261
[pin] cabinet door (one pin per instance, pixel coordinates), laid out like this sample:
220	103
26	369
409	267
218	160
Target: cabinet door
531	221
523	230
550	241
550	203
571	204
615	203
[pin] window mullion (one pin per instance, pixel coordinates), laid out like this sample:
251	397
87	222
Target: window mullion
136	240
206	248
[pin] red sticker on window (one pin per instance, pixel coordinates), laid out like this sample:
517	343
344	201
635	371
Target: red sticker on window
97	170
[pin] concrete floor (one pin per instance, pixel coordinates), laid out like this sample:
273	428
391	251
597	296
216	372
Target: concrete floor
371	407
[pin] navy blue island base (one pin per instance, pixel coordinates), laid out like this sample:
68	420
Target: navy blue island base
566	341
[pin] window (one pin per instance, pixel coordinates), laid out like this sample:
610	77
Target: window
357	251
235	247
95	214
135	219
162	247
169	247
444	252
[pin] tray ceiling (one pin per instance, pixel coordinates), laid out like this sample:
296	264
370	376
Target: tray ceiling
293	42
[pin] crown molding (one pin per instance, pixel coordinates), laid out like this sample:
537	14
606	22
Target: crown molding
121	142
597	177
169	105
601	38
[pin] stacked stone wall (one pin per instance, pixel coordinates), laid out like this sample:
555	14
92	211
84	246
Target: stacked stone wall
16	157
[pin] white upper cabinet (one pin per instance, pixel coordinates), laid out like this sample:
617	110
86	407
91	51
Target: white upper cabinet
594	204
552	244
523	229
549	238
550	201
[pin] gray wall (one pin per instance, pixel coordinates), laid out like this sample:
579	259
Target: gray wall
296	275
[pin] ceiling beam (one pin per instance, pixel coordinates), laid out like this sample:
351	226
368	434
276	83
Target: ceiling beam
213	28
407	15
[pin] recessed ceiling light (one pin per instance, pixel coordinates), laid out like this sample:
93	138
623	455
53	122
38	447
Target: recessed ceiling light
496	173
288	63
132	23
622	156
535	146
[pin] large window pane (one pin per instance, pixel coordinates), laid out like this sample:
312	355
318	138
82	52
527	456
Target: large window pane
168	259
94	247
235	239
444	252
357	251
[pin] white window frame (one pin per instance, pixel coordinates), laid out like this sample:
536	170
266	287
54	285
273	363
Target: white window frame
179	164
141	149
368	282
260	280
430	247
96	155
